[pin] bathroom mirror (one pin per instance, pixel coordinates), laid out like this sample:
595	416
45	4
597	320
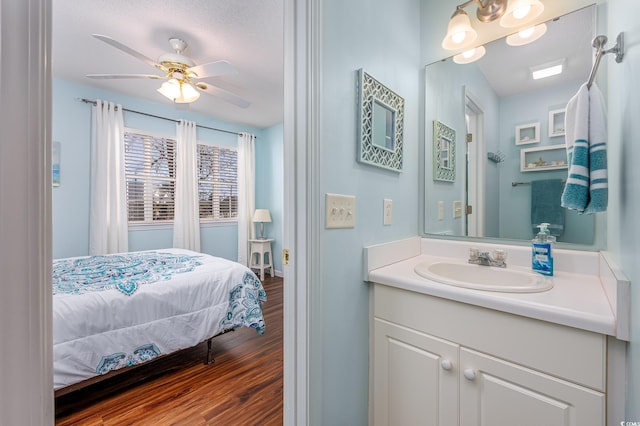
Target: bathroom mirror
380	124
499	111
384	126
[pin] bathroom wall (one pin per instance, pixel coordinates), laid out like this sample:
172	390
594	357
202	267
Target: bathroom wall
515	202
445	85
383	38
623	236
72	128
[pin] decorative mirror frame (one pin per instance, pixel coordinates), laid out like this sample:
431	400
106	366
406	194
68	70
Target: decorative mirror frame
444	167
371	90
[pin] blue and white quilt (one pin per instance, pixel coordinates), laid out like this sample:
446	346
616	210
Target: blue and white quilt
118	310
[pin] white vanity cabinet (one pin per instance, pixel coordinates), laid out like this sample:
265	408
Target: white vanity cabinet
440	362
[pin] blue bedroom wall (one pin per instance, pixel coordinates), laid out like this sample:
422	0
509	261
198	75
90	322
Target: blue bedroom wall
72	128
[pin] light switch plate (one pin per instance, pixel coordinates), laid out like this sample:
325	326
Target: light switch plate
340	211
440	210
387	211
457	209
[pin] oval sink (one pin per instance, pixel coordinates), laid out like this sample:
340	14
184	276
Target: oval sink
484	277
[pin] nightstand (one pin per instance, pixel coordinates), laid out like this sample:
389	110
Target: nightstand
261	257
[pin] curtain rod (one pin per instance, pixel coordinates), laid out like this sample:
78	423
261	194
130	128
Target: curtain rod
89	101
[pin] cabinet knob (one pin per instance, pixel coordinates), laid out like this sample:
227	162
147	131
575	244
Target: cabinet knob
446	364
469	374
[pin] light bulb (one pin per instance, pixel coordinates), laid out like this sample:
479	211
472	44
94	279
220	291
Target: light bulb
522	11
458	38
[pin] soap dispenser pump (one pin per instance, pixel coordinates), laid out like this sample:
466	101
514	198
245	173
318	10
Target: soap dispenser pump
541	251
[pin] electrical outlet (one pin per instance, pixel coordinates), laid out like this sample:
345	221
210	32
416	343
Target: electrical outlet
440	210
340	211
387	211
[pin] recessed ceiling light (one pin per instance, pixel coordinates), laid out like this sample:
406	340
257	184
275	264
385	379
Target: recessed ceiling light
547	70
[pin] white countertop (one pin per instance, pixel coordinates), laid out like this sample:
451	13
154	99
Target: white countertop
576	299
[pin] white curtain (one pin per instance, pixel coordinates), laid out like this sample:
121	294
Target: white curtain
108	232
186	221
246	195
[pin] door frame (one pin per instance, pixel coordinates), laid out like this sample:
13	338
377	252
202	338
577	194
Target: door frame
475	167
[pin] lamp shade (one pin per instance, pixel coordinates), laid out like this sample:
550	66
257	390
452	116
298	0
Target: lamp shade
179	91
469	56
527	36
460	34
261	215
521	12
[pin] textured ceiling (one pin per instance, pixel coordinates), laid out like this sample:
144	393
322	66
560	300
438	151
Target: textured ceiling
247	33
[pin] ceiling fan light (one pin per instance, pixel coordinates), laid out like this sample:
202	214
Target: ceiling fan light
179	91
189	94
527	36
521	12
460	34
170	89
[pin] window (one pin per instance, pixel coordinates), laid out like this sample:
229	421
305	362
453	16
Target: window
150	172
217	182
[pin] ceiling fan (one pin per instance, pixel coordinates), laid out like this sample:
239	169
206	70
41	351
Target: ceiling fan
182	76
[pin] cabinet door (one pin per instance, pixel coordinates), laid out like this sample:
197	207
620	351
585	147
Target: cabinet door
496	392
415	378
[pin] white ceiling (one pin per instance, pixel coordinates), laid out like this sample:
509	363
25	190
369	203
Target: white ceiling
508	69
247	33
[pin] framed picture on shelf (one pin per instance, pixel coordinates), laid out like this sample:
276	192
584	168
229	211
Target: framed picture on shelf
556	122
528	133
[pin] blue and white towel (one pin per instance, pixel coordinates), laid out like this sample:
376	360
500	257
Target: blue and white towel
587	188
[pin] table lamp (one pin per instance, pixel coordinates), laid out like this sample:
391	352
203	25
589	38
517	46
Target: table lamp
261	216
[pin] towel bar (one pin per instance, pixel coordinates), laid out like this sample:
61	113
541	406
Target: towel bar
599	43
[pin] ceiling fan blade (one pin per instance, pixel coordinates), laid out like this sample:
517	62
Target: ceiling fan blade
212	69
223	94
128	50
123	76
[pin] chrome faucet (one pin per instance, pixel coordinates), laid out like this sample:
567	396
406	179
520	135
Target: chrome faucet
498	258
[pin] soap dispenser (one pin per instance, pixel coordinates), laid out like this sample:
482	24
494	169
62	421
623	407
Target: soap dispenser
541	251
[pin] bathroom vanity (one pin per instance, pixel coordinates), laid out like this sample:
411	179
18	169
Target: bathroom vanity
447	355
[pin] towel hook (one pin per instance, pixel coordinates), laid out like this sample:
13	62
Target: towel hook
599	43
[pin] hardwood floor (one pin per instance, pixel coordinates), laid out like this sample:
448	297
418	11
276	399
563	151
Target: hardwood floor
242	387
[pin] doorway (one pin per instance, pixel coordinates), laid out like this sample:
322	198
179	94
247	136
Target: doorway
473	222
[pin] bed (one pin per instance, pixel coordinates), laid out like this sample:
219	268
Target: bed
122	310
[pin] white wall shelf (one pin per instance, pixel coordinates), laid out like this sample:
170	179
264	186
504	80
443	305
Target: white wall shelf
552	157
556	122
528	133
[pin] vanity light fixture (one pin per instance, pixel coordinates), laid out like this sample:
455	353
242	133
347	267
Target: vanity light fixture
521	12
460	34
512	13
547	70
470	55
179	91
527	36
